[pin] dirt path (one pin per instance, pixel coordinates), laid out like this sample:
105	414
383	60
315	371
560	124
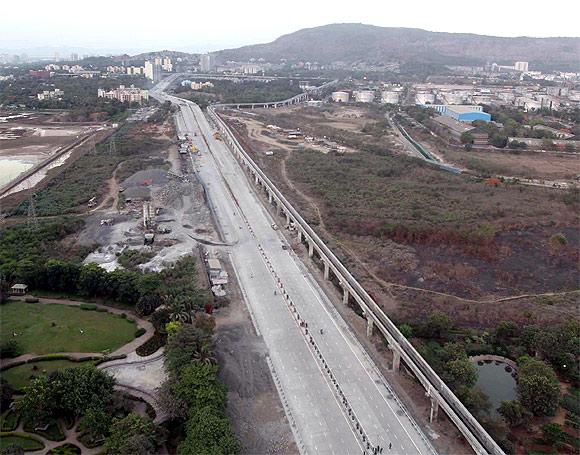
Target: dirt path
112	192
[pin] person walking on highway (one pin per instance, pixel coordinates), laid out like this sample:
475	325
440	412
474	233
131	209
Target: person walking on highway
390	445
321	332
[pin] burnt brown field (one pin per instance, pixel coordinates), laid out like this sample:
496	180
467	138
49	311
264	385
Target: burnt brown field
422	239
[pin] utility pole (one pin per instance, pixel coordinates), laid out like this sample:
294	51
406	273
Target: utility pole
32	220
112	146
92	148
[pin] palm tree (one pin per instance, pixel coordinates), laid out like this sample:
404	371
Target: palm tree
180	311
205	354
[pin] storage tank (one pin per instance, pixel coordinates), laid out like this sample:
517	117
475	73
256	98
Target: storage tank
340	97
390	97
364	96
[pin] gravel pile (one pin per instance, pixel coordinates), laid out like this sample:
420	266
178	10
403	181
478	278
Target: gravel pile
147	178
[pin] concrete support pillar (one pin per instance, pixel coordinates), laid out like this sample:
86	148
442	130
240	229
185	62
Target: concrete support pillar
396	360
310	249
434	410
269	197
326	270
345	295
300	235
288	219
370	326
256	179
278	209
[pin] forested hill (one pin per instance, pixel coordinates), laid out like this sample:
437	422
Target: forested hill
359	42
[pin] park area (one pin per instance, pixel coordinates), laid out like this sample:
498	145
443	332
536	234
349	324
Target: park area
51	328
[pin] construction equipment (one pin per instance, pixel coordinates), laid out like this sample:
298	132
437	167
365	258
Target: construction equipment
217	136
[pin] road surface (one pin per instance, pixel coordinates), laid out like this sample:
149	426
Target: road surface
320	419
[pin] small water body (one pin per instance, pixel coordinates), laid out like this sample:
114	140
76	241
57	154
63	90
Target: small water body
11	168
496	379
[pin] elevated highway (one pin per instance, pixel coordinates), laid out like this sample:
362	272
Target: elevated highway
438	392
336	399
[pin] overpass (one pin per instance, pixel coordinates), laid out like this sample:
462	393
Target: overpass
437	391
297	99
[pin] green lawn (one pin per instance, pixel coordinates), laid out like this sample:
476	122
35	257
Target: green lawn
50	328
21	375
27	442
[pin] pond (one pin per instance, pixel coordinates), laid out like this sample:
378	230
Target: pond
497	380
11	168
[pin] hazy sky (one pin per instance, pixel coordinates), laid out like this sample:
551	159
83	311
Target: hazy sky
202	25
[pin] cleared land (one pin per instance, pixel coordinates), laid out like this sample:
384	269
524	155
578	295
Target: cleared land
21	375
422	238
46	329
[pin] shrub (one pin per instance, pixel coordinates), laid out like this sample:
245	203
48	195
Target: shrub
31	300
152	345
553	433
23	440
140	332
88	307
10	349
571	403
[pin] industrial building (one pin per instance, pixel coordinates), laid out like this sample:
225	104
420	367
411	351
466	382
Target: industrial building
462	113
364	96
340	97
390	97
455	129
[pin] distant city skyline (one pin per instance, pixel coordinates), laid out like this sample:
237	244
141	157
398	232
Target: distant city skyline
118	27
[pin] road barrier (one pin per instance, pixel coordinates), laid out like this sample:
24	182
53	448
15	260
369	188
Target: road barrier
475	434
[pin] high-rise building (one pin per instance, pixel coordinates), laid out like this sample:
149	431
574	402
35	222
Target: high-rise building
207	63
166	64
521	66
74	57
152	71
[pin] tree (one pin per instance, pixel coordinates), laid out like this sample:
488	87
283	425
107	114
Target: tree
148	303
6	393
506	330
473	399
160	318
208	433
69	392
538	386
182	347
406	330
97	422
133	435
437	325
199	386
467	138
92	280
553	433
513	413
460	372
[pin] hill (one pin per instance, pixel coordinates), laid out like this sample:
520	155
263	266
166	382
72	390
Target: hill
359	42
